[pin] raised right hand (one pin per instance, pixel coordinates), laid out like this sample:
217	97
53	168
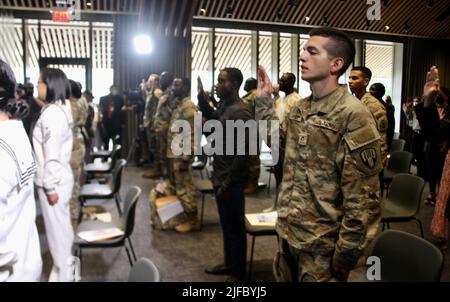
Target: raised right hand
264	84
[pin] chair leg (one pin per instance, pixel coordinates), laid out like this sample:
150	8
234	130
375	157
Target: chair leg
201	174
382	227
207	172
421	227
270	178
117	200
250	265
129	256
132	249
388	225
202	210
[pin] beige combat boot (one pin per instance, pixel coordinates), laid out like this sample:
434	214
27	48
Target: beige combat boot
189	226
151	174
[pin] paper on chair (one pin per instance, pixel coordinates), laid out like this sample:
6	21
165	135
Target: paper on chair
169	210
263	219
98	235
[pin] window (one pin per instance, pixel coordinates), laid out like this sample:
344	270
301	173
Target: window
200	61
380	60
233	49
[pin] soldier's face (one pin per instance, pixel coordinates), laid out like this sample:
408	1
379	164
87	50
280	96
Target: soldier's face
224	86
284	83
316	63
357	81
177	88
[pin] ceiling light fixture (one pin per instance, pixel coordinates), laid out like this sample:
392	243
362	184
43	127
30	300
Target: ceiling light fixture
307	19
386	28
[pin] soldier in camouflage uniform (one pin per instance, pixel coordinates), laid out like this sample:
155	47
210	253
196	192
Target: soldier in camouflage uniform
153	93
254	161
180	166
329	200
161	123
358	81
282	108
79	114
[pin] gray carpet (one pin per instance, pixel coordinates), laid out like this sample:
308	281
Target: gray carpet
183	257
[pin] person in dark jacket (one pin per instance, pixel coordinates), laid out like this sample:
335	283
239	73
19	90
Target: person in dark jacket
230	174
113	118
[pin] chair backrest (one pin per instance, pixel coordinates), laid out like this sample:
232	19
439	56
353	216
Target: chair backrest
406	191
115	154
129	209
397	145
117	175
144	270
407	258
400	161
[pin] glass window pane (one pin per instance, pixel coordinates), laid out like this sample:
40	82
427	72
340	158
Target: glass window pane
380	60
233	49
200	61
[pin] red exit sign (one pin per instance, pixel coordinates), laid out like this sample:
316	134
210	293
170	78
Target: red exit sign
63	16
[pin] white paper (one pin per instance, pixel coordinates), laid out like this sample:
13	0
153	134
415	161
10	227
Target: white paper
263	219
170	210
98	235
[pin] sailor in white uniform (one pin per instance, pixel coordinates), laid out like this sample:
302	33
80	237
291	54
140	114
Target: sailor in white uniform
20	253
52	142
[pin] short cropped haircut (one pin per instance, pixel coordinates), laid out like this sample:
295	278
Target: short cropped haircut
380	88
367	73
75	89
340	45
58	86
235	75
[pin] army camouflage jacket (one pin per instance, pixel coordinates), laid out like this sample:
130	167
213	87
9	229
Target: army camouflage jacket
329	200
162	115
185	111
378	112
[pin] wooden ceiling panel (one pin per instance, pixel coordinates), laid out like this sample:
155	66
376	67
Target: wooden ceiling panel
174	16
344	14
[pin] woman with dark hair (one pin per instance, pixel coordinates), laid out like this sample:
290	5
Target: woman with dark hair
20	256
52	141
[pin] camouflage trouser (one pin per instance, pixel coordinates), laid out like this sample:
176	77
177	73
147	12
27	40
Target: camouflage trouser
254	170
153	148
162	154
182	183
294	265
76	163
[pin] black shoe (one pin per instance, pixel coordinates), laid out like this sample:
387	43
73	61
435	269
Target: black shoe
220	269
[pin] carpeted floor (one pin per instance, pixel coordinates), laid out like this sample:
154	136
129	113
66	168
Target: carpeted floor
183	257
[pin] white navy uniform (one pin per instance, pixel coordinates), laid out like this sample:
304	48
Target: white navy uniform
20	252
52	142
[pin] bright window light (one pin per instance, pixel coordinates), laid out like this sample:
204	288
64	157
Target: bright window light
143	44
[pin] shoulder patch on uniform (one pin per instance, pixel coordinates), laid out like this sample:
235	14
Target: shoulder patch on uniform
369	157
362	136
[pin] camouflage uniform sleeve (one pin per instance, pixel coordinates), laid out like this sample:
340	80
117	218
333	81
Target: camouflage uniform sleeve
382	122
265	111
161	115
188	113
360	161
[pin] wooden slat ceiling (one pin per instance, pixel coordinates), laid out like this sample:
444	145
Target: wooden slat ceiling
168	17
345	14
175	16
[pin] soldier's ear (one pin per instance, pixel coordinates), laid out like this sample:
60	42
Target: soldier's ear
336	65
